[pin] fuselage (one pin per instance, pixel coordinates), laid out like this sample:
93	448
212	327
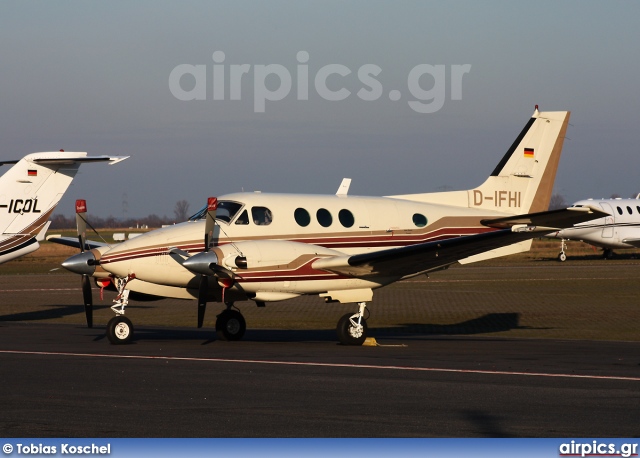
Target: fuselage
615	231
293	231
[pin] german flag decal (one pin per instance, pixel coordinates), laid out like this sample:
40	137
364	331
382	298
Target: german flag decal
528	152
32	173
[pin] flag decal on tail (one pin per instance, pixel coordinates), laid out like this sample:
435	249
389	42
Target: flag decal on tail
528	152
32	173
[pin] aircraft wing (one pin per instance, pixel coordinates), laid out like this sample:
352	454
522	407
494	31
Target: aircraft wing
429	256
74	242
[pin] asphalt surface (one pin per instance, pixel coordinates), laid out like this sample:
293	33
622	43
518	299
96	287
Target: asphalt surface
68	381
423	380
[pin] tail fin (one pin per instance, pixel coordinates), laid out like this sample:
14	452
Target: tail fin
30	191
523	180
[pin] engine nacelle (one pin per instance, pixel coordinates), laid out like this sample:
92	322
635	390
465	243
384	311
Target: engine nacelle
266	253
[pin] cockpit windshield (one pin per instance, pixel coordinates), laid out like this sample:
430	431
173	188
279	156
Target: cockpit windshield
227	210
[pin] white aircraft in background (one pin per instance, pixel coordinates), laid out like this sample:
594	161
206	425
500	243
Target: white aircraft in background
271	247
620	228
29	191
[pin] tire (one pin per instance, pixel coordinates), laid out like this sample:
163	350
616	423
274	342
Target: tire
120	330
562	257
230	325
350	335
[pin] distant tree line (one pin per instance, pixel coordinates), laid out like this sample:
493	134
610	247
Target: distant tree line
110	222
181	212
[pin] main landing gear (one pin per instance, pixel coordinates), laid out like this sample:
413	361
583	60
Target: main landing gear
352	327
230	324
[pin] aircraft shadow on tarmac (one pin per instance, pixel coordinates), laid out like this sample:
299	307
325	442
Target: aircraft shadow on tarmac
51	312
489	323
493	322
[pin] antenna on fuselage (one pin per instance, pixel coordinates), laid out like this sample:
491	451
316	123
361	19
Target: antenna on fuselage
343	190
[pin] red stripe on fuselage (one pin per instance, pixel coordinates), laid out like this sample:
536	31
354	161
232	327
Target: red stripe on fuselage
356	241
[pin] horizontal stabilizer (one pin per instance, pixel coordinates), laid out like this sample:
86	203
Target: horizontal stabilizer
71	160
62	160
632	242
554	219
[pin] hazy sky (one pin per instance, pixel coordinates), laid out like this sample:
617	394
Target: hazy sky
95	76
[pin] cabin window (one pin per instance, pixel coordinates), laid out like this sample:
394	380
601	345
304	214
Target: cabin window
261	216
302	217
419	220
243	218
629	210
324	217
346	218
619	210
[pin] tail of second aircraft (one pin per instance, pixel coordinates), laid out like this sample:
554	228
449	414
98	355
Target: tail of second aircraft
30	191
523	180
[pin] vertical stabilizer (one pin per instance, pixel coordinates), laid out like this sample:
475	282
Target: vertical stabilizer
30	191
523	180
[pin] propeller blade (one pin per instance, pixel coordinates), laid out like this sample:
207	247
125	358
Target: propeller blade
81	222
88	300
202	299
210	222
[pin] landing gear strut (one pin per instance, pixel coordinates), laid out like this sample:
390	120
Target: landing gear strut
120	328
562	257
230	324
352	328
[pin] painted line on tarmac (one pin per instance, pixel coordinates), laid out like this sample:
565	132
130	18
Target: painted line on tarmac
309	364
37	289
502	280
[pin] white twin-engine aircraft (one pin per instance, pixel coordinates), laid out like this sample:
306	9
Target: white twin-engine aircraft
29	191
271	247
620	228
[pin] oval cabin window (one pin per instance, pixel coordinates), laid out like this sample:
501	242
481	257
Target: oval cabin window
302	217
324	217
419	220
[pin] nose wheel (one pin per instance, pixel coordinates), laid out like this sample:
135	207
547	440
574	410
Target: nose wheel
120	330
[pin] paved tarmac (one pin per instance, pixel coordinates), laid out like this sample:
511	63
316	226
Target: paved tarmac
60	379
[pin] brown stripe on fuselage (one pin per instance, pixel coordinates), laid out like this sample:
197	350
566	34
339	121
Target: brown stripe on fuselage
444	228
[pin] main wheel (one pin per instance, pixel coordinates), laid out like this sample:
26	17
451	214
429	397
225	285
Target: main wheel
230	325
120	330
607	253
348	334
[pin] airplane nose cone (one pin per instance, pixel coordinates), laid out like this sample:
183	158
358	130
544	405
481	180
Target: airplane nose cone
82	263
201	263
